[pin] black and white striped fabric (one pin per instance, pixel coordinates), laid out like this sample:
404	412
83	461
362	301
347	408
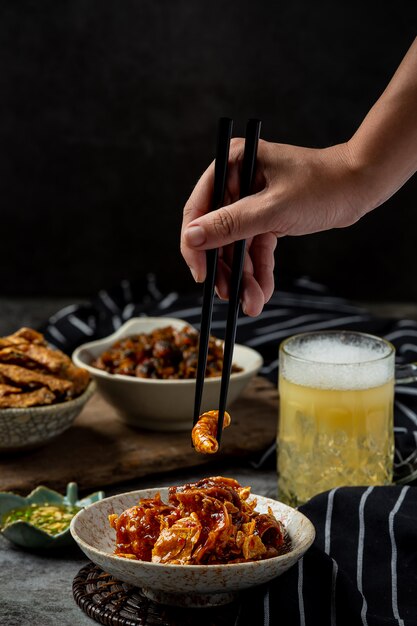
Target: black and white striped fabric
307	307
362	567
360	571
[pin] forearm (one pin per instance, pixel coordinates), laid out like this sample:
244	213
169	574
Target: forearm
384	148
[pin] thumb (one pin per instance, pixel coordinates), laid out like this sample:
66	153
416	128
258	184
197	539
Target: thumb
241	220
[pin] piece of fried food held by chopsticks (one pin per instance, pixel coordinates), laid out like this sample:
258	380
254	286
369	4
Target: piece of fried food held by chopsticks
204	432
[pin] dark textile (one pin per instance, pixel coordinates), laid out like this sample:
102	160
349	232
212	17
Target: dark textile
362	567
306	307
360	571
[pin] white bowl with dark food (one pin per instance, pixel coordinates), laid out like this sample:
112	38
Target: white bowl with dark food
141	396
41	391
178	582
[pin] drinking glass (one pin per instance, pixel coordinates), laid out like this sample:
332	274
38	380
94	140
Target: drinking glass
336	393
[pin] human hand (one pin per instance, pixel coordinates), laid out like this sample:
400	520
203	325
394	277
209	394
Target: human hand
296	191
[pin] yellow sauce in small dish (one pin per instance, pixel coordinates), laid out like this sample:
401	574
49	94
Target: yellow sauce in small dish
51	518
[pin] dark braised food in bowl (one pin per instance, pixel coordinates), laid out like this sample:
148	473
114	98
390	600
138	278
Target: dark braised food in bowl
164	353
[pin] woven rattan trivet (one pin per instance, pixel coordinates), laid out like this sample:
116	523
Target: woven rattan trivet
114	603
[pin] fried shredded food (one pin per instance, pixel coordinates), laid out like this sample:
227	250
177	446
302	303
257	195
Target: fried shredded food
204	523
166	353
41	396
33	374
204	432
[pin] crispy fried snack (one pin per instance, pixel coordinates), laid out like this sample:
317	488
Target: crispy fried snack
26	335
27	377
204	523
204	432
6	389
41	396
33	374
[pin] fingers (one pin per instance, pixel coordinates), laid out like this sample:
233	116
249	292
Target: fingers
263	259
253	299
224	270
223	276
198	204
257	278
203	229
243	219
258	273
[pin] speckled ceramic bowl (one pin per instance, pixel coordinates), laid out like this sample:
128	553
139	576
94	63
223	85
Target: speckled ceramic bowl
185	585
29	428
25	534
164	405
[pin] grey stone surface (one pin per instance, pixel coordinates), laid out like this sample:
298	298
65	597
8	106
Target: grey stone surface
36	589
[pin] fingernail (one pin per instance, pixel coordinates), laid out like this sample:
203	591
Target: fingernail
195	235
217	293
194	274
244	308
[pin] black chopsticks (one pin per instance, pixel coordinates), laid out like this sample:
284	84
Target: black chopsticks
224	134
253	129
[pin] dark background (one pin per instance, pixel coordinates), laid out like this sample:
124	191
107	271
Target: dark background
108	112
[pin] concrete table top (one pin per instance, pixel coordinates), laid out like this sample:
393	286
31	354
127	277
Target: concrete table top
36	589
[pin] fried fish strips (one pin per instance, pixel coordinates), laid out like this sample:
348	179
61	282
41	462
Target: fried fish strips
26	335
32	373
7	389
77	376
34	355
41	396
21	376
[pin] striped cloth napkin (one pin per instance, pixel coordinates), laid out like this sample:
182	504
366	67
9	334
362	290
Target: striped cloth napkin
362	567
307	307
360	571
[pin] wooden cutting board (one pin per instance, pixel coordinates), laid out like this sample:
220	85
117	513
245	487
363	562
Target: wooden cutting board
101	450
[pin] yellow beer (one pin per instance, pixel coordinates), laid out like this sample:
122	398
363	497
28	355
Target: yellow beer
336	413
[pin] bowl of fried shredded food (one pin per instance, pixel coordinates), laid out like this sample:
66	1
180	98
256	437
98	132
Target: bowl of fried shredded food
41	391
197	544
147	369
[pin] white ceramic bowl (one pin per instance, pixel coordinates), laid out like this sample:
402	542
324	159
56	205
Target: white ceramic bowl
185	585
34	426
164	405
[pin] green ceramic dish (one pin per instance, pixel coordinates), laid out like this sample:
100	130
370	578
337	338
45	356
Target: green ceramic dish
25	534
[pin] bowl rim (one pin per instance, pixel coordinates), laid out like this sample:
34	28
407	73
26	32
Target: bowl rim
123	331
305	542
50	408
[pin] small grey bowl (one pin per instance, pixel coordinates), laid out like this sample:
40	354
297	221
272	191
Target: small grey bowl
24	429
26	535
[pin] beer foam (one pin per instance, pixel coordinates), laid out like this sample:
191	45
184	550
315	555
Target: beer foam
329	363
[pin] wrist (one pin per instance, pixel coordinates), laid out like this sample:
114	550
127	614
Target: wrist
365	177
346	184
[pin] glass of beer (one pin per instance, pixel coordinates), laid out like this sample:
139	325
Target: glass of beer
336	413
